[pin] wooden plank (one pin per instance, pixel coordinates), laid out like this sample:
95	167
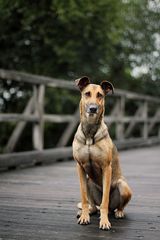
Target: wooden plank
36	79
61	83
9	117
69	130
36	132
134	120
38	128
138	114
61	118
136	96
113	115
41	101
52	155
18	129
145	116
55	118
120	124
155	118
159	132
136	142
31	157
15	117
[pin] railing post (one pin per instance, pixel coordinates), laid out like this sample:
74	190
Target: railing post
120	123
38	128
159	131
18	129
69	130
145	117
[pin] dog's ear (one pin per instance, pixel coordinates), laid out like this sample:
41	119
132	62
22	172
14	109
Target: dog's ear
82	82
107	87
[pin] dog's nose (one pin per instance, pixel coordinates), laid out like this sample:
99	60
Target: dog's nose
93	108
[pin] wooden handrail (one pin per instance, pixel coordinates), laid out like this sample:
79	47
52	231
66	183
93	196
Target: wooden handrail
35	79
61	83
34	113
55	118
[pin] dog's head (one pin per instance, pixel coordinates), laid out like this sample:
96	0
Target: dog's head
93	97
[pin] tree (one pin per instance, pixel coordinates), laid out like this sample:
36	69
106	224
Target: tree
136	62
105	39
59	38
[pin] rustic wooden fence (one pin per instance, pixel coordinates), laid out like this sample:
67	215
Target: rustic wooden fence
147	116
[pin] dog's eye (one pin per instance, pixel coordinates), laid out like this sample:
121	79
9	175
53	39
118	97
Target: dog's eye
99	95
87	94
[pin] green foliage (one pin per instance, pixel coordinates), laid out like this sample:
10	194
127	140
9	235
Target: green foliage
105	39
59	38
61	101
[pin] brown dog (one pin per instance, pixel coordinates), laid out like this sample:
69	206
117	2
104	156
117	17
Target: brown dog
101	180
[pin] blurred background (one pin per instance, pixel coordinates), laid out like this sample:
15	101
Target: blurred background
107	39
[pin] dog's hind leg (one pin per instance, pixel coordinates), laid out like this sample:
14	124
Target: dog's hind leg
119	197
114	199
94	197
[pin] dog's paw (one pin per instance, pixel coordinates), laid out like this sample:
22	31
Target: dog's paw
119	214
84	219
104	224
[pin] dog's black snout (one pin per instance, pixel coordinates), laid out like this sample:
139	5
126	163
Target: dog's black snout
92	108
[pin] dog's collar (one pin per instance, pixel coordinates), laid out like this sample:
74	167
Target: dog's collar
101	134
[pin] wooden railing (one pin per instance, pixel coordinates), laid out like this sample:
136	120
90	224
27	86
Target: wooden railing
34	112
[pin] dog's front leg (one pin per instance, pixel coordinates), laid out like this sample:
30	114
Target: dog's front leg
84	218
104	222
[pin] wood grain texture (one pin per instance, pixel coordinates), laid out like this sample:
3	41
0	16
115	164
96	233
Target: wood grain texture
40	202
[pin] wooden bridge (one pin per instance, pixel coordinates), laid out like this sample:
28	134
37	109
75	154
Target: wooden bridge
40	202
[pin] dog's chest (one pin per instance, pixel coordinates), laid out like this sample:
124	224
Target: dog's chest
87	153
92	158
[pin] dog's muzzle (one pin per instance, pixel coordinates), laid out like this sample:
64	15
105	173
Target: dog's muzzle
92	108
